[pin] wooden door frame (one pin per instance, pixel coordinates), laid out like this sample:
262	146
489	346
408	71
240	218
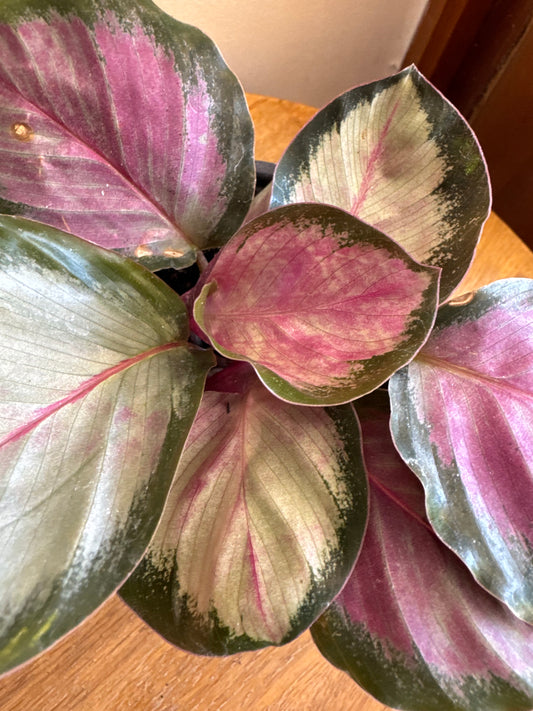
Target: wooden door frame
479	53
463	46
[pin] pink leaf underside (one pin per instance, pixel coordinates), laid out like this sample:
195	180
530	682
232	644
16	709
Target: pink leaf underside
123	155
409	592
253	517
472	392
292	298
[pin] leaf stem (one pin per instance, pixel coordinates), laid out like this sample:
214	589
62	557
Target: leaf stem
201	261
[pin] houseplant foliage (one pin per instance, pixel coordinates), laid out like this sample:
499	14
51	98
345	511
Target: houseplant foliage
224	459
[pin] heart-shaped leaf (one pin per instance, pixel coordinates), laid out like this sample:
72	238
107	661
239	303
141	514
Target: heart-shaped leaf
462	420
262	525
396	154
123	126
98	389
411	625
325	307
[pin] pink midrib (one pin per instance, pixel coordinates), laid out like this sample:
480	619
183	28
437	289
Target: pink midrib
373	160
250	550
474	376
253	562
82	390
398	502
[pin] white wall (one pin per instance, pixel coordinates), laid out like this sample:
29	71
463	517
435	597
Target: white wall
305	50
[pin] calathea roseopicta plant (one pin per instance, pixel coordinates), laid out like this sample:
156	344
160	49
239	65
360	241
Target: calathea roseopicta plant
225	459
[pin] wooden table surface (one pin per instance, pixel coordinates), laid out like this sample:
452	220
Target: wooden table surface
114	662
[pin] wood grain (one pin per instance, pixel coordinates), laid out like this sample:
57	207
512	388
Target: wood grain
113	662
500	254
276	122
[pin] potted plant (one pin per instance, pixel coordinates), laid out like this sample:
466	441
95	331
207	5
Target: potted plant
314	434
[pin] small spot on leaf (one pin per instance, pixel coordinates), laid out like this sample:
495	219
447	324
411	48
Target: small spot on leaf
462	300
22	131
173	253
143	251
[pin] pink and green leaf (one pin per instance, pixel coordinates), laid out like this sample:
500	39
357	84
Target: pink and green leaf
396	154
263	523
325	307
123	126
462	415
98	390
411	625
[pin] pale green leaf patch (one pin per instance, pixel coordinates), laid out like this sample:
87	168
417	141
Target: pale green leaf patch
262	525
98	389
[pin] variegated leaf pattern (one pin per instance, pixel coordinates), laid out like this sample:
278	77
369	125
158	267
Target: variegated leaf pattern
411	625
98	389
396	154
462	417
262	525
123	126
324	306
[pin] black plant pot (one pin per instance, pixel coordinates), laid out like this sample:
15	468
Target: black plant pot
264	172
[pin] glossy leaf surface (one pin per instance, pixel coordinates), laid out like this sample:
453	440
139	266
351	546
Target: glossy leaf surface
325	307
462	420
123	126
98	389
397	155
262	524
411	625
